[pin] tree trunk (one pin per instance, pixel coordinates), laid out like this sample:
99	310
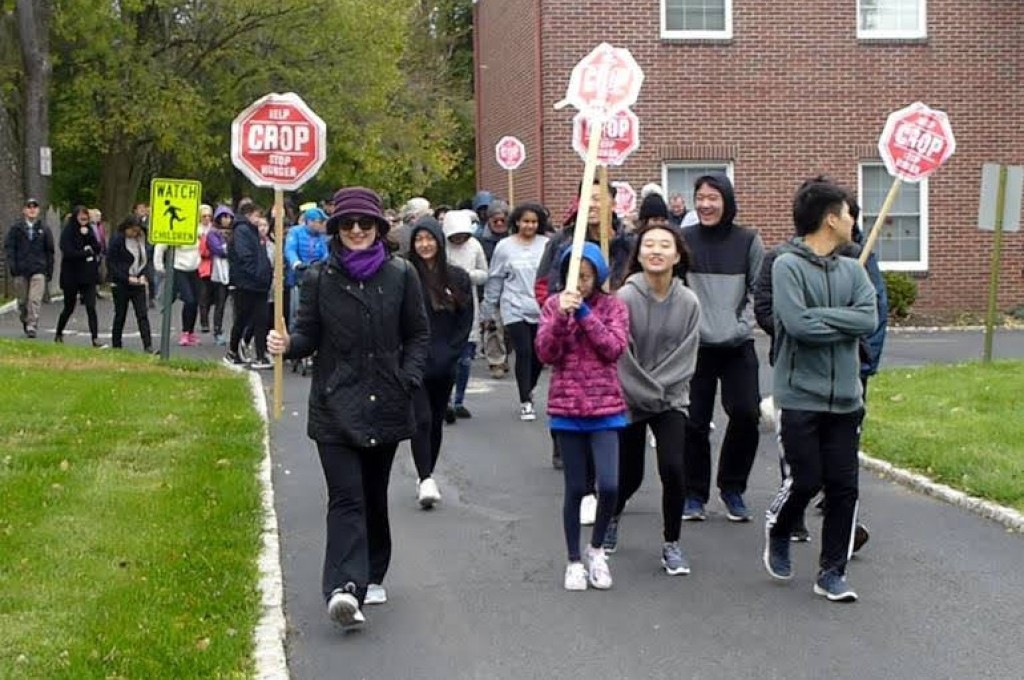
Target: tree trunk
120	182
34	34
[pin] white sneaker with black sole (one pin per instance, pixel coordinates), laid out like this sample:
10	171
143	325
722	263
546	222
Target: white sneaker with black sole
526	412
343	608
429	495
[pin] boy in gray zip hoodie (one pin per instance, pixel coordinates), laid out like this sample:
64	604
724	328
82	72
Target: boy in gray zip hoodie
822	304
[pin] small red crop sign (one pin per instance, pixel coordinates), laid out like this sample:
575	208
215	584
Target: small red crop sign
915	142
625	198
510	153
606	80
279	142
620	137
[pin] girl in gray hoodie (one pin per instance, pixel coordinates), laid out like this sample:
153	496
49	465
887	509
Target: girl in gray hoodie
655	372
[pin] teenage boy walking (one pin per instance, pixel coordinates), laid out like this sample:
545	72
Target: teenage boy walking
823	304
725	259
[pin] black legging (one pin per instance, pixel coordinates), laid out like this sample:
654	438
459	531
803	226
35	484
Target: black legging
186	289
430	402
136	295
528	366
250	310
212	294
670	433
71	294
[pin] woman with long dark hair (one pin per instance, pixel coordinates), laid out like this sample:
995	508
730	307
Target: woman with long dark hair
127	264
509	291
79	271
362	312
448	295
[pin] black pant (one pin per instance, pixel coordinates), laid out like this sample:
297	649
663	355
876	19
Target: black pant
71	294
136	295
429	403
186	289
212	294
250	310
528	366
736	367
601	448
820	451
358	530
670	432
206	300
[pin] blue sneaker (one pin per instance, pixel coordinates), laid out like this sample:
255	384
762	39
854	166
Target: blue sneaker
736	509
693	510
833	585
611	536
776	556
673	559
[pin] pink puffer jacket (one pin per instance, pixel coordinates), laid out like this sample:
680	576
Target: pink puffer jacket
583	355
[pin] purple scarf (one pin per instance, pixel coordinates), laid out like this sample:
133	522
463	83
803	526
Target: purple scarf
361	265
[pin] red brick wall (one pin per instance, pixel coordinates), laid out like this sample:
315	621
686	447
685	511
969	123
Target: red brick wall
508	81
794	93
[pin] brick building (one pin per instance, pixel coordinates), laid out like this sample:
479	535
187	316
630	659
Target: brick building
773	92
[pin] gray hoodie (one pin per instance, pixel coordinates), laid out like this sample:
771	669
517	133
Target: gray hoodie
664	336
821	306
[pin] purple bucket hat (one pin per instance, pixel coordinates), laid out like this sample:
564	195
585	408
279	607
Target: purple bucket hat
357	202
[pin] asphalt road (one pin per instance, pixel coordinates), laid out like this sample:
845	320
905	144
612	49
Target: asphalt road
475	586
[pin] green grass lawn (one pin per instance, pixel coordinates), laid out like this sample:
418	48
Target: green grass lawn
129	516
962	425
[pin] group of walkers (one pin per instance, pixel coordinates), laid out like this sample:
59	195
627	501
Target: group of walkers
395	310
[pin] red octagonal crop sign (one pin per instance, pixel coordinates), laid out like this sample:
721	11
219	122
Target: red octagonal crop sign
915	142
510	153
606	80
278	142
620	137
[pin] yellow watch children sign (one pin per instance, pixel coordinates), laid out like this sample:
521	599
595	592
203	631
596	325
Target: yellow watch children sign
174	211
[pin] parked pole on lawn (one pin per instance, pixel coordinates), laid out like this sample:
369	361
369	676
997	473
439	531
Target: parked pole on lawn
606	211
511	190
278	297
997	254
894	191
579	236
166	301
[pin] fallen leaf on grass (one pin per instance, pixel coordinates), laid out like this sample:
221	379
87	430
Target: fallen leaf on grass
65	465
202	644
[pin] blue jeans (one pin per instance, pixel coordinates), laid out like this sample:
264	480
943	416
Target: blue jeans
462	372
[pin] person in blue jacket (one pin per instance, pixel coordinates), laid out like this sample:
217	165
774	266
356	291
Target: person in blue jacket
305	245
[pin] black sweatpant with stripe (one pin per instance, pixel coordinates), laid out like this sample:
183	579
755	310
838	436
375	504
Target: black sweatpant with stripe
819	453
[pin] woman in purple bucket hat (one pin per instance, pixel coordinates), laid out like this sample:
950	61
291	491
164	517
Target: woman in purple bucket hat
362	312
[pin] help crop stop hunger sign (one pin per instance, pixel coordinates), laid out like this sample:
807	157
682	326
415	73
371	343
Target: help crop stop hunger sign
278	142
510	153
915	142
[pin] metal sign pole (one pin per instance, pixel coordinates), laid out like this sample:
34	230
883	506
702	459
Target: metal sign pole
167	300
997	254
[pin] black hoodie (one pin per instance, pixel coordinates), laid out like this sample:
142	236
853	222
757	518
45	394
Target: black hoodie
724	263
450	324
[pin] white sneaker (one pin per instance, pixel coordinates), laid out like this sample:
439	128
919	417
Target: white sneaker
575	576
429	494
375	594
343	608
526	412
588	510
597	568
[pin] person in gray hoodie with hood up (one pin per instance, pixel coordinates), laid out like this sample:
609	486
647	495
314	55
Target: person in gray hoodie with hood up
823	304
655	372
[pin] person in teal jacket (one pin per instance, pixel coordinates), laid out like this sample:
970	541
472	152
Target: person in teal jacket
823	303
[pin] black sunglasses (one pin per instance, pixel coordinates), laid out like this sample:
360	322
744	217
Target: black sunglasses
364	223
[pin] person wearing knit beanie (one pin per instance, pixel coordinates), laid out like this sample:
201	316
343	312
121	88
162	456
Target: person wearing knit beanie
653	209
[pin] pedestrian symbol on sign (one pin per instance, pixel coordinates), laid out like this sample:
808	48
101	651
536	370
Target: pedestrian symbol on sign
172	214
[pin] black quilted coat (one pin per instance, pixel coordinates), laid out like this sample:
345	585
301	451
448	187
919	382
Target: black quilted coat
372	340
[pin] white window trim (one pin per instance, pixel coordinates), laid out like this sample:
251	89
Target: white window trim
726	34
921	265
920	32
670	165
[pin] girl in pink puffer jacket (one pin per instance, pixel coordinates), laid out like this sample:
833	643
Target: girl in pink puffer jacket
581	336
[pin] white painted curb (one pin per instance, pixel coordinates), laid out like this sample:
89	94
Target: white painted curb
1008	517
269	636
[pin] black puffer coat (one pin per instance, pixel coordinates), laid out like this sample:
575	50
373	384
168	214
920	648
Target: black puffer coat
81	256
372	340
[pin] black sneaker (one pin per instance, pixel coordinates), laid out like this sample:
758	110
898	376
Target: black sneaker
776	556
800	534
449	415
59	339
833	585
30	332
462	412
232	359
860	537
263	364
693	510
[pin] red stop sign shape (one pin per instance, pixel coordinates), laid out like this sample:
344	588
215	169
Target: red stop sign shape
278	142
625	198
608	80
510	153
915	142
619	138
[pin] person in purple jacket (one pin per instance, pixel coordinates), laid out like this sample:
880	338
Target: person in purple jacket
217	245
582	334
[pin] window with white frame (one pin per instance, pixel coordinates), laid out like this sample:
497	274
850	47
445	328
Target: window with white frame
696	19
678	177
891	19
903	242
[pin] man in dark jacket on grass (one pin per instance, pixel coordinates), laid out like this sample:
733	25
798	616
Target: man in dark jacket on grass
823	304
